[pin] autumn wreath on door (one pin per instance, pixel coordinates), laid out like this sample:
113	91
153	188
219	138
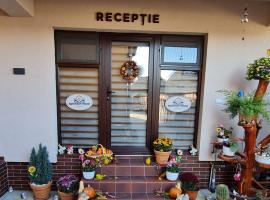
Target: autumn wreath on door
129	70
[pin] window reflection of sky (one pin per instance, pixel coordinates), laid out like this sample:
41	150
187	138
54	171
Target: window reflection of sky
142	59
180	54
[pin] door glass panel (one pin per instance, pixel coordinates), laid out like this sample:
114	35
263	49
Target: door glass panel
129	99
78	127
174	123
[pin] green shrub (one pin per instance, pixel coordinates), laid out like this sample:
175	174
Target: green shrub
40	168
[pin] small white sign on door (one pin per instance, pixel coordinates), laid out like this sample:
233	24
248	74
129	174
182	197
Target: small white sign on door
177	104
79	102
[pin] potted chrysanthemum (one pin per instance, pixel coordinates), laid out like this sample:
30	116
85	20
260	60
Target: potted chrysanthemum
89	166
40	173
172	171
67	186
223	134
162	148
259	69
190	184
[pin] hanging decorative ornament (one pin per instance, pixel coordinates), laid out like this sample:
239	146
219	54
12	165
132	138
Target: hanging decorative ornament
244	18
129	70
237	175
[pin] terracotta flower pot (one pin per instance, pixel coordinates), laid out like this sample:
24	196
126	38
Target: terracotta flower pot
41	192
192	194
162	157
65	196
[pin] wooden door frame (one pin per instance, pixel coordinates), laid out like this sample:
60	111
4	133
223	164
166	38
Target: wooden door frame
104	70
106	41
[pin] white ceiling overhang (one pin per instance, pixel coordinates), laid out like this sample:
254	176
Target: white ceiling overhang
18	8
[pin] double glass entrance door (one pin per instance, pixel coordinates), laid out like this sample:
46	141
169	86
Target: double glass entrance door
141	86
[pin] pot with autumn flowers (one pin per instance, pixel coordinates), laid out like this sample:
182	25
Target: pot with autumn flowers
190	184
67	186
172	171
162	148
89	166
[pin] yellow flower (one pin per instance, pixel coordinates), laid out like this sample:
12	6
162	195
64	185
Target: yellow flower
32	169
218	129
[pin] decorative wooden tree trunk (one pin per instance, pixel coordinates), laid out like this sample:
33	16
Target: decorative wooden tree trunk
245	186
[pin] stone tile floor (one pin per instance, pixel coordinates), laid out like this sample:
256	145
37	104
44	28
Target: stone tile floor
16	195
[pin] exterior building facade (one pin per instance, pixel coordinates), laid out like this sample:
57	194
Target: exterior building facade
183	48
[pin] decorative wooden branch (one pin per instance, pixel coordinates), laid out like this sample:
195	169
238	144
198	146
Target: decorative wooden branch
265	141
247	159
251	132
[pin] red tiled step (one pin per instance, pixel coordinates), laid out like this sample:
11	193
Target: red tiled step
136	196
129	167
130	184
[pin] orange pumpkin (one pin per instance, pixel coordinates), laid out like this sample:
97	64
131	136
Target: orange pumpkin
174	191
91	193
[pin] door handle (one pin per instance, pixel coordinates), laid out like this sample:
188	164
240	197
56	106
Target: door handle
109	93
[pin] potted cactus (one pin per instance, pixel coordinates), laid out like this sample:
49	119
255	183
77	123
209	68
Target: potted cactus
40	173
222	192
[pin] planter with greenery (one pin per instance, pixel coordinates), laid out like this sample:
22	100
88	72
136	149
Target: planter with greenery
163	149
40	173
172	171
247	107
190	184
67	186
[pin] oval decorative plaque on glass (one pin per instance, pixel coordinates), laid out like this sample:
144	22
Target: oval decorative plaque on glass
177	104
79	102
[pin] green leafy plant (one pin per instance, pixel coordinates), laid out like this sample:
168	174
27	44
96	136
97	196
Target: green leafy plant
247	105
260	69
189	181
40	168
232	145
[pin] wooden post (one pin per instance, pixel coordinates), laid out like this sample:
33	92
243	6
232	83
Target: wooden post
247	173
245	187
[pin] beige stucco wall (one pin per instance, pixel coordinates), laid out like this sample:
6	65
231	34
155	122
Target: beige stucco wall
28	103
